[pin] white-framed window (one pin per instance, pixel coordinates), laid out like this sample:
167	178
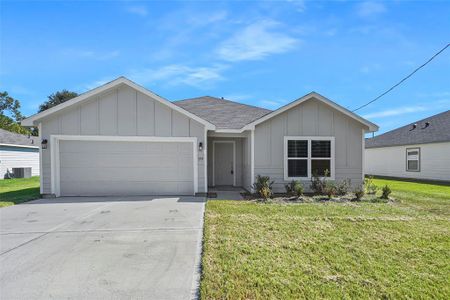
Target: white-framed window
305	156
413	159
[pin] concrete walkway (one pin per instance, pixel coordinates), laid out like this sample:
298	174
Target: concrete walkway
227	193
101	248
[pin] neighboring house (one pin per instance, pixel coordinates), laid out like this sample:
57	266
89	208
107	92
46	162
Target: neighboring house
419	151
122	139
18	151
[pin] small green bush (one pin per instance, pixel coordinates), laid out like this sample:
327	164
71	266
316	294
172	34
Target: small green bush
318	184
343	187
294	188
359	193
385	192
263	186
370	187
330	189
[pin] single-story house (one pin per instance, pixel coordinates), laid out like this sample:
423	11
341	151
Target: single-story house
122	139
420	150
18	153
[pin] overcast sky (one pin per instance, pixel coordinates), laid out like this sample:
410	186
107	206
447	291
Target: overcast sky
261	53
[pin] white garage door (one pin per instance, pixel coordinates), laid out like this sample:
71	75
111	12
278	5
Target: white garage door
103	168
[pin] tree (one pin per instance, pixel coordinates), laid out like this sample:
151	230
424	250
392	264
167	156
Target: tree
57	98
8	103
10	115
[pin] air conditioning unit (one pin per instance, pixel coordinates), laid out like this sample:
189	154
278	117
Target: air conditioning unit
21	172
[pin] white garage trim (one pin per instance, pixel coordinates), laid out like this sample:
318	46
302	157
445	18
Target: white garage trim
55	159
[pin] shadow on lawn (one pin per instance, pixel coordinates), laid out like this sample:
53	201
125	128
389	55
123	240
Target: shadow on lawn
21	196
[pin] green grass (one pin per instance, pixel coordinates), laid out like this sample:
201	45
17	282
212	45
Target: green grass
330	250
14	191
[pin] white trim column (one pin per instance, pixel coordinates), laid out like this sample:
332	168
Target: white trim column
205	159
41	169
252	159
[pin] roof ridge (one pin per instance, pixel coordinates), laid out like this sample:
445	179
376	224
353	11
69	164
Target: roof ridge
223	99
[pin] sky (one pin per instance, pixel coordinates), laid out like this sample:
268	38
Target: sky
265	53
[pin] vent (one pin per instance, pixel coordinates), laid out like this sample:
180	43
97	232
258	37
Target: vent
414	126
426	125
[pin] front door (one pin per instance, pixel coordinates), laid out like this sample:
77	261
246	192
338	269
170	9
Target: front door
224	163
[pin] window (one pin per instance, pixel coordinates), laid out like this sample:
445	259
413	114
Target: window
413	159
306	156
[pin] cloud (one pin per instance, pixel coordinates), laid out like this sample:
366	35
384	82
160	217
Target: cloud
199	77
90	54
256	42
139	10
272	104
300	5
396	111
370	8
238	97
369	68
97	83
203	19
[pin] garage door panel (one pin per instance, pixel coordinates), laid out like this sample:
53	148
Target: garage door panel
97	168
123	160
126	174
116	188
125	147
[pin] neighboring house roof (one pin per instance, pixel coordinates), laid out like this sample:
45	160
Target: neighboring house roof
225	114
30	121
313	95
8	138
438	130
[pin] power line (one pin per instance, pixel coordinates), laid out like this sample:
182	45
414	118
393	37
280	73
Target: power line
404	79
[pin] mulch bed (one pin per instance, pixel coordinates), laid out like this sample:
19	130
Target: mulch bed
310	198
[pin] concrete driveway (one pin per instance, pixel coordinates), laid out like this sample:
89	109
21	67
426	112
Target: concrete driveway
101	248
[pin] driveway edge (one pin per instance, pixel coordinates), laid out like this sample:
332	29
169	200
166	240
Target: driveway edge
197	272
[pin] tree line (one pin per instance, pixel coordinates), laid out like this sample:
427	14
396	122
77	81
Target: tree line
10	114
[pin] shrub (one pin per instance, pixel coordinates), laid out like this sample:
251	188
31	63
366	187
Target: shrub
263	186
318	184
343	187
371	188
385	192
330	189
294	188
359	193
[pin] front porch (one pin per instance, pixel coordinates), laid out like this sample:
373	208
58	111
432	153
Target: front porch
229	162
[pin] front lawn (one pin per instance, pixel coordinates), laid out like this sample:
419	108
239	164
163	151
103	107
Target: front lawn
14	191
330	250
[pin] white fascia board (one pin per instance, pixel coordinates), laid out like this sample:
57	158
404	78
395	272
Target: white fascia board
370	126
18	146
30	121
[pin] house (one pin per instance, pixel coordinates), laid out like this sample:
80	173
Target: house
416	151
122	139
18	151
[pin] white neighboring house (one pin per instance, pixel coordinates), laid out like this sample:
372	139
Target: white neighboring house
417	151
18	151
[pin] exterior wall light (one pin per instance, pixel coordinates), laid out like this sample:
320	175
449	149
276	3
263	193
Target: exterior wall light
200	146
44	144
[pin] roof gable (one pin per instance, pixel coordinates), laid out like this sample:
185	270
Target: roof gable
438	130
224	114
30	121
313	95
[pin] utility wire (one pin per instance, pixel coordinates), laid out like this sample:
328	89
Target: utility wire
404	79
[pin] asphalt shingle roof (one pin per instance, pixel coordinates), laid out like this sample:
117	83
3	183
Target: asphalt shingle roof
224	114
437	131
7	137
